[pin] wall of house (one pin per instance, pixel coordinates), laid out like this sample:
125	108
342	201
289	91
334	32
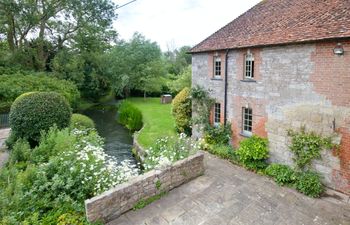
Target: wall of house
296	85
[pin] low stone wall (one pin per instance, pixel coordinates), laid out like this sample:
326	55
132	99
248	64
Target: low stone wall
139	151
113	203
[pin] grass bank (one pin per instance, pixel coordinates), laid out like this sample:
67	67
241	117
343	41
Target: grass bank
157	119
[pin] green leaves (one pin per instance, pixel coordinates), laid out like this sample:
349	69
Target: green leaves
307	147
182	111
253	151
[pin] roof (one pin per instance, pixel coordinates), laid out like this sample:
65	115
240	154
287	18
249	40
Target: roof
275	22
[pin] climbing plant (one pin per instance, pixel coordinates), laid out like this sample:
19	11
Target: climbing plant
202	105
307	146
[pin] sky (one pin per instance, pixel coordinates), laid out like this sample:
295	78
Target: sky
175	23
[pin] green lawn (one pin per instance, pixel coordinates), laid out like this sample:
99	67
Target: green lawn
157	119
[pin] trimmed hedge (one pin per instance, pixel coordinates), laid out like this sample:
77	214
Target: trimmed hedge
182	111
12	86
34	112
130	116
80	121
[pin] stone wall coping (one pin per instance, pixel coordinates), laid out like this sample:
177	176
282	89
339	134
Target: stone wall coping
114	202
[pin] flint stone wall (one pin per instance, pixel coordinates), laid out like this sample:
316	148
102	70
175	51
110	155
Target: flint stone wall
113	203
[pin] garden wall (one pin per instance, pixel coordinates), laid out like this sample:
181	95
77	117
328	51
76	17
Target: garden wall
113	203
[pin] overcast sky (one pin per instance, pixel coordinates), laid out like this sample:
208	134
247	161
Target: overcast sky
174	23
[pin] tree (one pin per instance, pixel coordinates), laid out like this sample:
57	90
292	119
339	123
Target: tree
183	80
136	65
55	23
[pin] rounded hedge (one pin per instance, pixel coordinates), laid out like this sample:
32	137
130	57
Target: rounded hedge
34	112
182	111
80	121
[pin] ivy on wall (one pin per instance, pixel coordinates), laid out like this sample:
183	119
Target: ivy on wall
307	146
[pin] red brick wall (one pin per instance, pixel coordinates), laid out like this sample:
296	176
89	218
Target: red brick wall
211	56
331	78
259	117
341	178
240	63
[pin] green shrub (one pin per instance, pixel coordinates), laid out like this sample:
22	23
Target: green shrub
182	111
80	121
20	152
222	151
12	86
64	170
282	174
309	183
130	116
253	151
34	112
218	135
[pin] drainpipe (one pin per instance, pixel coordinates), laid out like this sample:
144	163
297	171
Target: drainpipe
225	97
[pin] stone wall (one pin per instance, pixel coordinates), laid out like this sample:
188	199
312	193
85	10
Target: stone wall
294	86
122	198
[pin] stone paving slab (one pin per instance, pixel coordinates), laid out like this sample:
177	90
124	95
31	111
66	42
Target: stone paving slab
228	194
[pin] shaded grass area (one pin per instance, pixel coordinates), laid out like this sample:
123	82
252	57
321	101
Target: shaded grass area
157	119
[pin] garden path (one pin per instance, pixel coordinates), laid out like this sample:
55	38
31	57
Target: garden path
4	133
228	194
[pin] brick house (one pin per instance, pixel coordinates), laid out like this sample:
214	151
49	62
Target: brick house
282	65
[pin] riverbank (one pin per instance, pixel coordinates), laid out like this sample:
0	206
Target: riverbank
158	121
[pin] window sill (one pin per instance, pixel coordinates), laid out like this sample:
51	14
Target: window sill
249	80
219	79
245	134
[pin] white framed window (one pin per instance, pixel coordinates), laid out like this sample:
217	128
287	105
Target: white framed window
247	121
217	67
249	66
217	114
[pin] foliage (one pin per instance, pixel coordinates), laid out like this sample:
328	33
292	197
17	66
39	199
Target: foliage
222	151
178	60
253	151
218	135
34	112
144	202
157	119
80	121
20	152
130	116
182	111
168	150
203	104
71	218
307	147
12	86
183	80
136	64
64	170
37	30
282	174
309	183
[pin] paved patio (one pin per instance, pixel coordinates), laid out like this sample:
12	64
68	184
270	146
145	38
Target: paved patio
228	194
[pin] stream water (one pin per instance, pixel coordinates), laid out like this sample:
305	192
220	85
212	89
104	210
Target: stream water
118	139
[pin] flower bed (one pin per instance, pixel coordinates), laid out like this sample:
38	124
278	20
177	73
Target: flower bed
111	204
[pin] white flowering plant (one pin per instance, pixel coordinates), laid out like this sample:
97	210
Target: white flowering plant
66	168
168	150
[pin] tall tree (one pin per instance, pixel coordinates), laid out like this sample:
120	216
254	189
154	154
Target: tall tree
55	21
136	65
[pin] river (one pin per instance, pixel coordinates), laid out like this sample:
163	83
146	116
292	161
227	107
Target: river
118	139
